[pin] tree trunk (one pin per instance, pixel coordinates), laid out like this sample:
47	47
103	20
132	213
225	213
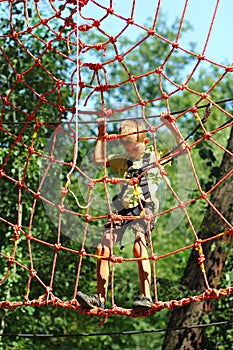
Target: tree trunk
215	256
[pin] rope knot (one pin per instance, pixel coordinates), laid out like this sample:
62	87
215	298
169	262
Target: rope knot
52	159
62	108
100	46
182	87
158	70
88	217
64	191
105	179
101	88
182	205
33	273
152	129
116	217
208	135
81	85
91	184
11	260
20	184
132	78
130	21
96	23
110	10
61	208
142	102
175	45
5	100
112	39
29	30
82	252
84	27
201	259
37	195
197	244
203	195
107	112
95	66
111	137
133	181
81	3
151	31
2	173
117	259
119	58
19	77
154	257
229	69
57	246
212	292
114	181
194	109
48	290
16	229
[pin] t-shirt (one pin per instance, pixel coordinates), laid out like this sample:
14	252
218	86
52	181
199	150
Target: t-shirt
119	165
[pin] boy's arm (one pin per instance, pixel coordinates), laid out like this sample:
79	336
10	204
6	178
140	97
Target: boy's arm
99	147
170	123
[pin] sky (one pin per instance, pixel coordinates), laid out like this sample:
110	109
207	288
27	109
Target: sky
199	14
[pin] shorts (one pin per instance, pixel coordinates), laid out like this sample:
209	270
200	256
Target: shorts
139	225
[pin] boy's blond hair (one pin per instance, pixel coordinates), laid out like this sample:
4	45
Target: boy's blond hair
133	130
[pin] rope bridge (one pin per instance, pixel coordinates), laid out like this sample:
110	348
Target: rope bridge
42	117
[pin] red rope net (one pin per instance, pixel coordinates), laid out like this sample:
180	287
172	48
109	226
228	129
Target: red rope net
40	121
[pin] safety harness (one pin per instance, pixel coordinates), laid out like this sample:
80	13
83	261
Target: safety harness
136	211
143	183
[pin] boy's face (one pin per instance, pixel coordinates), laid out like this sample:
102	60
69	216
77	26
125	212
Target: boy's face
134	149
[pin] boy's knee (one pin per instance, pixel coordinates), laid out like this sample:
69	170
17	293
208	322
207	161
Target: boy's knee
102	250
135	251
139	248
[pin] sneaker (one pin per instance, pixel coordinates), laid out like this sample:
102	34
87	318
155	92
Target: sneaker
89	301
142	303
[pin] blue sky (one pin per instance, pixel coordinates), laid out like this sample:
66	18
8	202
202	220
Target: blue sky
199	13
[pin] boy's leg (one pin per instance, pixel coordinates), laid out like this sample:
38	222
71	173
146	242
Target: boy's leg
102	270
144	268
103	250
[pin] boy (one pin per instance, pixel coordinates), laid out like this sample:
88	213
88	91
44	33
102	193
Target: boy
137	200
